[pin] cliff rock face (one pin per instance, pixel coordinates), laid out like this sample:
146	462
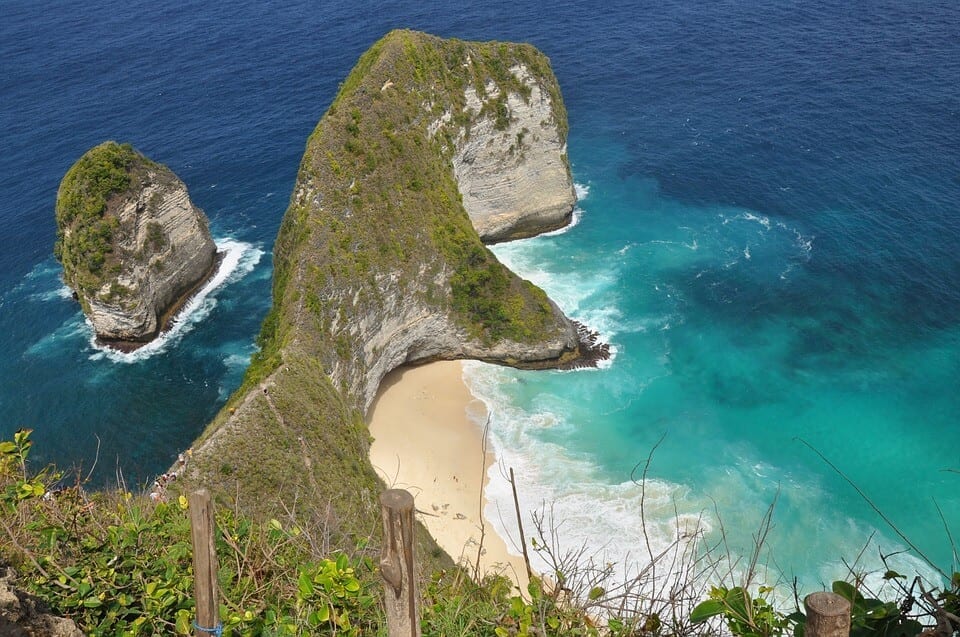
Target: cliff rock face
384	260
133	246
511	164
377	264
22	615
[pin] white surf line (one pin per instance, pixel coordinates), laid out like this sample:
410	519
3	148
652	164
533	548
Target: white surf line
239	259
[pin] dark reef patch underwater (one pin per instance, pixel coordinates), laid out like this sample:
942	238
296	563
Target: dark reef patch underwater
767	238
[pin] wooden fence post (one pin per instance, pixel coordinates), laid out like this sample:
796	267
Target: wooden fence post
828	615
205	565
397	565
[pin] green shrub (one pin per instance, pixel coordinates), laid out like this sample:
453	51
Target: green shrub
85	228
156	237
745	615
118	563
84	235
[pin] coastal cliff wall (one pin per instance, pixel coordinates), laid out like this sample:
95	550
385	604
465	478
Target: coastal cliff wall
376	265
131	242
511	165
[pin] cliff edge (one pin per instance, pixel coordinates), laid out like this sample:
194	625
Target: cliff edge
132	244
377	264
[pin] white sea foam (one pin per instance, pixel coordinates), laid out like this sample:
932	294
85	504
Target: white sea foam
236	361
58	293
761	219
42	270
571	293
239	259
780	231
41	283
582	191
236	357
590	513
803	242
575	219
589	296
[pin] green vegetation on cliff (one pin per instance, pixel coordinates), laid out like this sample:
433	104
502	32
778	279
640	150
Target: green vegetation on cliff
385	198
119	563
375	227
85	228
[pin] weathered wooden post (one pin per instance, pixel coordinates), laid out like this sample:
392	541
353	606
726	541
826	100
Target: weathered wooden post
397	565
828	615
205	565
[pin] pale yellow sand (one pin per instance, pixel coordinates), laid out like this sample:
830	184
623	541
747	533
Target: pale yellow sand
425	442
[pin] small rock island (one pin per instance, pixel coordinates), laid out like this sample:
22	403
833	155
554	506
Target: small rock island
132	244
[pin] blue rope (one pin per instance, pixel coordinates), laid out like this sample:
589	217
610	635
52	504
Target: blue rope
216	631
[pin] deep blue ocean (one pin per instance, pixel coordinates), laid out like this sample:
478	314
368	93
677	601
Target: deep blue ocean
769	237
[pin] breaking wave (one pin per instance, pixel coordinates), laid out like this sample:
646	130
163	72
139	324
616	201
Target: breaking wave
239	259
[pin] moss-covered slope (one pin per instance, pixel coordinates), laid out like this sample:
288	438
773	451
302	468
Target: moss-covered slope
376	265
84	229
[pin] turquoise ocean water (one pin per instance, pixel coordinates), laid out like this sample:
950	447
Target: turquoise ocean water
767	235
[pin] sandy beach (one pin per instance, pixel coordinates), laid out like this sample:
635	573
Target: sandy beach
426	442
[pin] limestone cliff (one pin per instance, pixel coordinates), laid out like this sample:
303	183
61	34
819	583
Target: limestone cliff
510	157
377	264
131	243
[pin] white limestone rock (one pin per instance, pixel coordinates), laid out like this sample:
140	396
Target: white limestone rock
515	180
160	250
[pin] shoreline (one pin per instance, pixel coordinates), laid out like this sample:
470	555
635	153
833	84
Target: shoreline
428	439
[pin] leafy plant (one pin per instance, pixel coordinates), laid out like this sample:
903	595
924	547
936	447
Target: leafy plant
746	616
13	470
330	595
455	605
111	579
84	230
120	564
869	616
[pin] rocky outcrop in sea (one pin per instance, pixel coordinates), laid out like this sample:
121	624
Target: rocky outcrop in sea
132	244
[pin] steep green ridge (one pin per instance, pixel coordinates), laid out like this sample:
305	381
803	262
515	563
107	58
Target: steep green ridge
387	199
376	264
85	227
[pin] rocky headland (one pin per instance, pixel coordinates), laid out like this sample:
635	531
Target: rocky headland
132	244
378	263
